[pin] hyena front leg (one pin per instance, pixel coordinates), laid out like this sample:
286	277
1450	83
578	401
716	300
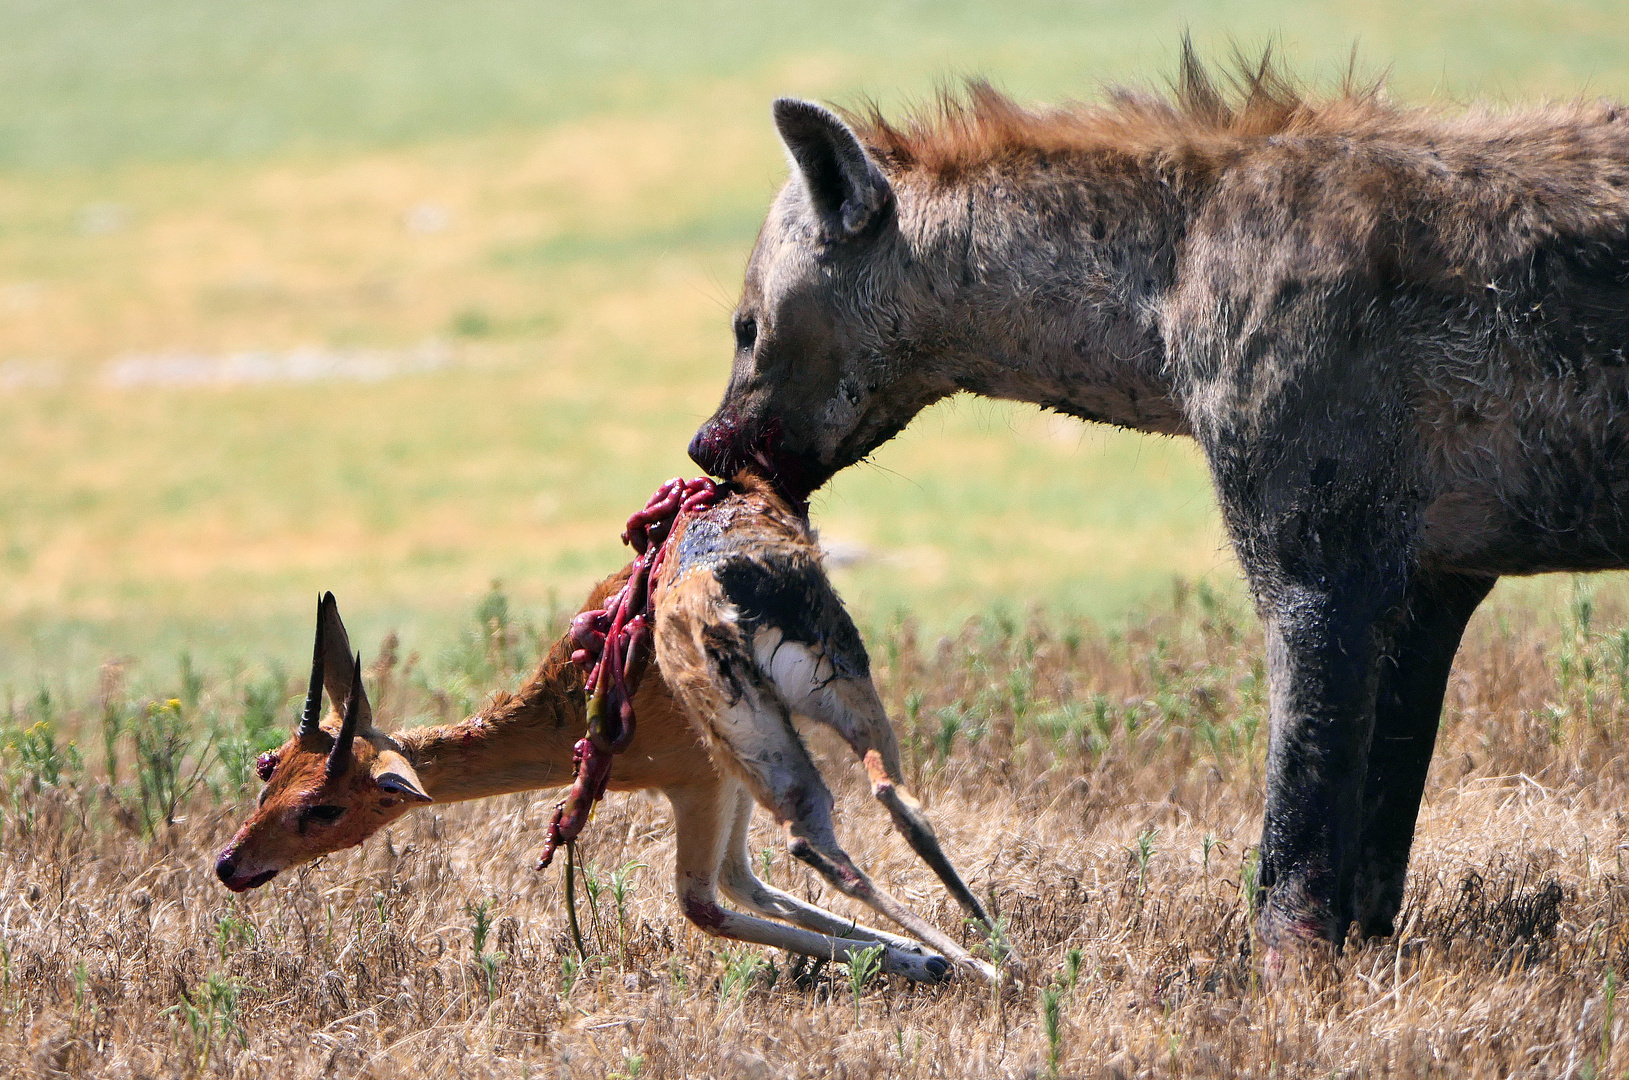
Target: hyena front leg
1408	707
1313	462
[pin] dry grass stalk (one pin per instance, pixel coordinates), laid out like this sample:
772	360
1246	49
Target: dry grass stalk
1118	825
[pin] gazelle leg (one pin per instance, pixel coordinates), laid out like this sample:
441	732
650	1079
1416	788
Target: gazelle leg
702	819
772	760
751	892
811	686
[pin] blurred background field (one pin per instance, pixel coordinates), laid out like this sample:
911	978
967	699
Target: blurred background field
399	299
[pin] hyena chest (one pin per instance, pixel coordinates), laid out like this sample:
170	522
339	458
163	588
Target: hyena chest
1528	464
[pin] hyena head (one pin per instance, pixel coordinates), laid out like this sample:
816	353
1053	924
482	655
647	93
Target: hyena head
833	301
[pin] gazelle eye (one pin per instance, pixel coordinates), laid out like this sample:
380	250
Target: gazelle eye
326	814
265	765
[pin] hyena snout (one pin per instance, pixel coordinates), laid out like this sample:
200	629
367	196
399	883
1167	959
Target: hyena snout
729	442
714	446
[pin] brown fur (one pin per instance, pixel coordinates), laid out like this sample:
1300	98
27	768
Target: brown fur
519	742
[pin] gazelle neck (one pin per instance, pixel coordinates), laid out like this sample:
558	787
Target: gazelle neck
518	743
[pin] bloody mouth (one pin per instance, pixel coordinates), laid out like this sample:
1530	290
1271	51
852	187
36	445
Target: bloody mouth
722	448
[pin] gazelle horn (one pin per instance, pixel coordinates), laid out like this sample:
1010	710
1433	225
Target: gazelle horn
313	695
341	753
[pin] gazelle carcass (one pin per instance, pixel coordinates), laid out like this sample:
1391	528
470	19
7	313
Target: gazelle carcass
748	633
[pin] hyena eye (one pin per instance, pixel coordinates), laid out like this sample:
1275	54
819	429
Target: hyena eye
746	333
265	765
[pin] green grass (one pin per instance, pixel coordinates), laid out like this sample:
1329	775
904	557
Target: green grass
181	176
94	84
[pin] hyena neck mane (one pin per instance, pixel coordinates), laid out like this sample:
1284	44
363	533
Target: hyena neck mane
1066	249
1050	239
517	742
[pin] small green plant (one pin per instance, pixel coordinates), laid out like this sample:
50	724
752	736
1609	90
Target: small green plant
594	886
1071	968
487	962
164	743
1144	853
81	981
192	682
33	757
210	1015
1249	867
741	969
481	925
1052	1007
863	965
1051	1010
231	929
906	1060
632	1063
261	727
951	719
495	649
995	944
1102	723
1020	696
913	737
571	969
1609	996
490	963
113	728
997	947
619	882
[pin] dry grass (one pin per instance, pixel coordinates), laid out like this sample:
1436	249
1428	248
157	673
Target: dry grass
1105	788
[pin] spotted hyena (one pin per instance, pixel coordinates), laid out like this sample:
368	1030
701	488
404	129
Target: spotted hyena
1398	336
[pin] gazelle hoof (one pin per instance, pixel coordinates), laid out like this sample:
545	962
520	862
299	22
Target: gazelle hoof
916	965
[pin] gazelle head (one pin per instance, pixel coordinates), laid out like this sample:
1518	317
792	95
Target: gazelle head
327	788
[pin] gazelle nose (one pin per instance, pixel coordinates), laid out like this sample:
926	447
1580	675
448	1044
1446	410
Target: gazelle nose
225	868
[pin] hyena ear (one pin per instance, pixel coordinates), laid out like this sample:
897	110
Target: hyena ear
394	773
845	186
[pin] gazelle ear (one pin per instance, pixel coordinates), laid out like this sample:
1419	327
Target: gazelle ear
847	190
394	773
358	717
335	645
